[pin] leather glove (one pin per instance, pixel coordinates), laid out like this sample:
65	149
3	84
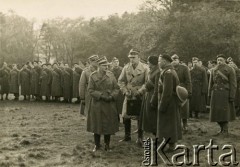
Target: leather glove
103	97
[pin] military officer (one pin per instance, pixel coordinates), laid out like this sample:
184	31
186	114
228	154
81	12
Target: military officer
168	118
83	83
148	118
185	81
199	88
223	88
4	75
131	82
102	118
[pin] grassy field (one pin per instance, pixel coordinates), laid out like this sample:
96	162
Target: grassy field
54	134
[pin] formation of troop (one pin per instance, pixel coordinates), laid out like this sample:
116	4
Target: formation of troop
37	81
161	95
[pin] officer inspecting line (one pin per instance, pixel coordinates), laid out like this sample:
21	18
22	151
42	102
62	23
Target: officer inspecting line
161	95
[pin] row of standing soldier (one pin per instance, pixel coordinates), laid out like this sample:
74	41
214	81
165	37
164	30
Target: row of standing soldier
36	80
153	86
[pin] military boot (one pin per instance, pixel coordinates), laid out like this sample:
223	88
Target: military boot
127	127
97	142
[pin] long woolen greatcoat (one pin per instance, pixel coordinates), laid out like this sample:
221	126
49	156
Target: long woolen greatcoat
24	81
4	75
34	83
223	88
56	86
76	77
14	81
148	116
102	116
83	84
185	81
45	82
67	83
199	89
117	71
168	118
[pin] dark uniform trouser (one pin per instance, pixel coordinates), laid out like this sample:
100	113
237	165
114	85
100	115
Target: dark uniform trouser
97	139
127	126
224	126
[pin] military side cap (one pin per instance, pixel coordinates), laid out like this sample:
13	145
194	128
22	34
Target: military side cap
103	61
133	53
93	58
195	58
166	57
182	94
221	56
174	57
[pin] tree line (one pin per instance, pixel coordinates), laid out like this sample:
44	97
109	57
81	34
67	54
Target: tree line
200	28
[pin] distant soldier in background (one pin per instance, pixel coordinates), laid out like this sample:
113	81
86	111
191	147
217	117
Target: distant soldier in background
199	88
185	81
223	88
116	70
237	73
24	81
4	75
56	86
77	71
67	75
45	82
83	83
34	80
14	81
131	82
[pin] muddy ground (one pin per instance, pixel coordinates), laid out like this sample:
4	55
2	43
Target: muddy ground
54	134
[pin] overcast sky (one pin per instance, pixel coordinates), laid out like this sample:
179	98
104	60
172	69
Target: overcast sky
42	9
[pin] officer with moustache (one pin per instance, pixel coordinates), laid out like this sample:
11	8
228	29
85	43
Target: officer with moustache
223	89
132	84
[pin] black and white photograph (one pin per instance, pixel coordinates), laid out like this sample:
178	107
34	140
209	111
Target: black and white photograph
119	83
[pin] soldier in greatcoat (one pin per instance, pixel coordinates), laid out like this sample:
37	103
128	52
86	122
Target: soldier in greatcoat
34	83
148	118
4	75
131	82
223	87
168	118
56	85
77	71
67	75
199	88
83	83
237	96
185	81
45	82
24	81
14	81
102	118
116	70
